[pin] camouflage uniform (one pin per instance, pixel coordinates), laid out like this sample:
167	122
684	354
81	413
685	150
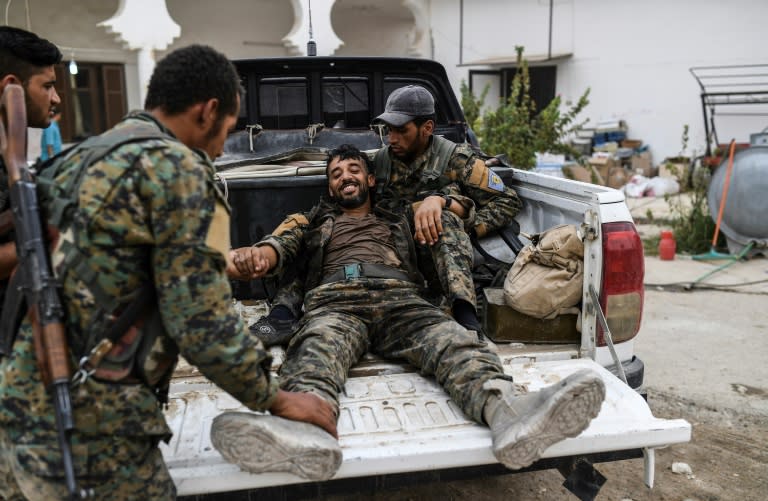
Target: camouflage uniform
466	178
149	211
344	319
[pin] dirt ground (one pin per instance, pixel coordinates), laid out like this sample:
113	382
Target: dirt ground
728	458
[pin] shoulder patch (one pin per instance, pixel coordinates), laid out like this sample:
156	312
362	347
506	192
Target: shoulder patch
291	222
481	176
494	181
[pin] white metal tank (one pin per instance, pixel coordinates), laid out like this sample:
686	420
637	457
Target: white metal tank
745	217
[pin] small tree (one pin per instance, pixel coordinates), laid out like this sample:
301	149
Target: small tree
516	130
471	104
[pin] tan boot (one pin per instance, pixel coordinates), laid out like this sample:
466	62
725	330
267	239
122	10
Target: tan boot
260	443
523	425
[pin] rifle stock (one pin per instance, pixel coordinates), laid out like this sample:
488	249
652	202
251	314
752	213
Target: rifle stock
37	280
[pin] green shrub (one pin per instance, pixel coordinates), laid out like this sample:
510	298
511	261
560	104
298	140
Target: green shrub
471	104
516	129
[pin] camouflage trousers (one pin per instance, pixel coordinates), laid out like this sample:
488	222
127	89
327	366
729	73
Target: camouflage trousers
446	266
345	319
114	468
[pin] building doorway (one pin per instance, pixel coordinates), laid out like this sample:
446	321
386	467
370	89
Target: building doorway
92	100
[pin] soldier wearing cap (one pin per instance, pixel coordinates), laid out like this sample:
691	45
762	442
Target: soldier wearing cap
435	175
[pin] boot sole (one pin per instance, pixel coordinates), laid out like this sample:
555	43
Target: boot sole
572	407
263	443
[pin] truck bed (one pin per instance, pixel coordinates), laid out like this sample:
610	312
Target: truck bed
394	420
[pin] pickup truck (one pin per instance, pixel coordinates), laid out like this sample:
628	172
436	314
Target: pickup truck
395	423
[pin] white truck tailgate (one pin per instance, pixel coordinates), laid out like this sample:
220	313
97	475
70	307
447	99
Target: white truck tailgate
404	423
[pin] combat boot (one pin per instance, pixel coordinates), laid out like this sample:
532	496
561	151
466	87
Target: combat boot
523	425
260	443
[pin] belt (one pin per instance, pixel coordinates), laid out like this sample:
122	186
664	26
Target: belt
365	270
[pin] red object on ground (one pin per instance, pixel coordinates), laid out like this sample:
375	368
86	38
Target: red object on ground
667	246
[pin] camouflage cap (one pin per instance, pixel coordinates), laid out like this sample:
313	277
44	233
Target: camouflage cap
407	103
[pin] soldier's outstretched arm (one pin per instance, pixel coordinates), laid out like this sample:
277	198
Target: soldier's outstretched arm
190	231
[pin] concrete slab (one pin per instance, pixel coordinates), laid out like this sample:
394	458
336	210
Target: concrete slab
746	277
707	345
659	207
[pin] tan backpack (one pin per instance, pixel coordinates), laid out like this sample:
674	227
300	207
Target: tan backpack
547	276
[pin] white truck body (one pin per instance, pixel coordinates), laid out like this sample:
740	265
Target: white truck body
393	420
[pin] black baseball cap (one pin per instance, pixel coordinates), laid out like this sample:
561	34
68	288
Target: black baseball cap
406	103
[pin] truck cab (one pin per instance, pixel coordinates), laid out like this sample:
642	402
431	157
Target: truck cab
394	421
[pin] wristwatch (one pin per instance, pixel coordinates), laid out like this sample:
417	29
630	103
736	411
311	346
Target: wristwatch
448	201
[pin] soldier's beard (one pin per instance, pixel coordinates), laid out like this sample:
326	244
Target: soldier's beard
354	201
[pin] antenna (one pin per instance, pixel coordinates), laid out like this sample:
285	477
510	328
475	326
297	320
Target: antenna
311	45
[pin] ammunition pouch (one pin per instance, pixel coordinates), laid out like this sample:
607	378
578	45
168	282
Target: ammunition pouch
142	354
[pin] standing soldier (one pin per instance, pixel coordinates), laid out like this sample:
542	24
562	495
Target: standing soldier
142	223
26	60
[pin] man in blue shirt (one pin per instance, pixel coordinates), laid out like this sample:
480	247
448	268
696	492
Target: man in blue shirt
50	141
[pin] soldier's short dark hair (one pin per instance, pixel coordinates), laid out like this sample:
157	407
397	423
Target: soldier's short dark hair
347	151
419	121
25	54
192	75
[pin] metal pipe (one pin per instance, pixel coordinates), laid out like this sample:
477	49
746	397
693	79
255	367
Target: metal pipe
461	31
551	9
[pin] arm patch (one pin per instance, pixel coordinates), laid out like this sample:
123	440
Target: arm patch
482	177
290	222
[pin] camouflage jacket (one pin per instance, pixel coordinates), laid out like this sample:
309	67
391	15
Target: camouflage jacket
148	211
463	174
303	239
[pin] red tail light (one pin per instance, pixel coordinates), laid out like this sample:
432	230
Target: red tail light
621	294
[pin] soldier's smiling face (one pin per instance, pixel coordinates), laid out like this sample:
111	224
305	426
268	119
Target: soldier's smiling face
349	181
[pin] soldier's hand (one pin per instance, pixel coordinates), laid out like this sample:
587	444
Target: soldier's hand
427	220
306	407
249	263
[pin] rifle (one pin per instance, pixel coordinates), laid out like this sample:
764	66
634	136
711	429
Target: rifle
38	284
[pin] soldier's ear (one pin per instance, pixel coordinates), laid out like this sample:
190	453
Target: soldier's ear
428	128
371	180
209	112
9	79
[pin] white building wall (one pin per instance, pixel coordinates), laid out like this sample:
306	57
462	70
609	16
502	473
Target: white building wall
239	28
634	55
372	28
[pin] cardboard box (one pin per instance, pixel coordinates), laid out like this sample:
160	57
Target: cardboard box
642	163
631	143
617	177
677	170
584	174
603	164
